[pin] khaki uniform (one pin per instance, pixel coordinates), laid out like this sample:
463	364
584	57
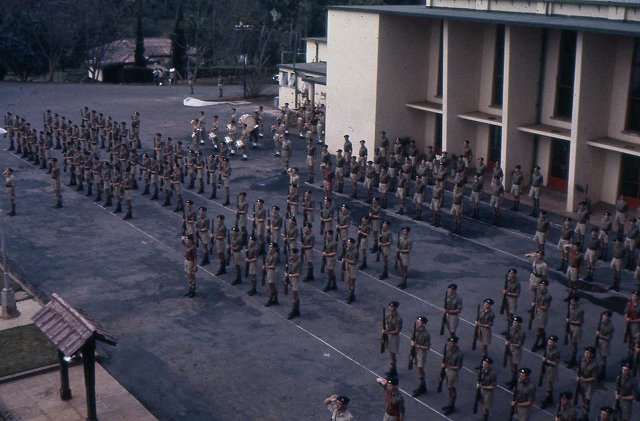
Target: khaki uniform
542	299
453	363
626	387
394	322
454	302
484	333
526	393
588	368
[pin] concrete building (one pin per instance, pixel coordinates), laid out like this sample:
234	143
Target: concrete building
300	81
552	83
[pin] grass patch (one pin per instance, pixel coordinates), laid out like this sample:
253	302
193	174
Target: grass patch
25	348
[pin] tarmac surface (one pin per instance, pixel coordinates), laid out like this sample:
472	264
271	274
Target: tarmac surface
223	355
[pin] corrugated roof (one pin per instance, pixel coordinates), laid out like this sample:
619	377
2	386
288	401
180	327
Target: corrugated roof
69	328
122	51
509	18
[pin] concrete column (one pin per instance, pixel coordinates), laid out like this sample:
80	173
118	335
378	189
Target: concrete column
522	56
591	105
462	57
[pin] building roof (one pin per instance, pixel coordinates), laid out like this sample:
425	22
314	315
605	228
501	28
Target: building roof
69	328
317	39
510	18
318	68
123	51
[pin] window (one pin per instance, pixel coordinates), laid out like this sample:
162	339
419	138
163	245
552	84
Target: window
560	151
630	176
633	113
284	79
498	67
437	139
495	143
566	74
440	62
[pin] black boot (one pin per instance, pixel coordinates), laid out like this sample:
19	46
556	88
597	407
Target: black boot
295	311
155	195
327	287
128	215
89	190
13	210
167	201
253	290
201	189
403	283
363	265
309	276
393	372
561	268
191	184
98	196
420	390
223	266
213	194
205	260
108	202
226	201
451	408
58	204
352	297
238	279
118	207
385	273
514	378
332	279
189	291
548	400
146	190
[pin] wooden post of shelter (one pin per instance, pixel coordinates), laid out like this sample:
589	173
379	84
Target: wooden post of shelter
71	331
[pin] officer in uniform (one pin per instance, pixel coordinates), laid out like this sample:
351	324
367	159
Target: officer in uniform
251	260
515	342
541	309
349	265
566	237
329	252
354	177
383	185
516	186
291	234
418	197
293	272
190	219
626	389
225	173
605	230
259	220
631	241
404	249
452	309
512	292
496	200
308	239
220	237
343	221
566	410
340	170
617	259
309	208
593	253
534	193
374	218
603	341
271	262
190	264
452	364
487	382
632	319
370	180
584	216
384	242
55	182
457	207
606	413
326	216
363	241
574	260
437	199
542	230
393	323
587	376
275	224
421	342
203	225
485	324
574	322
550	362
242	208
10	185
524	396
476	190
236	256
394	402
311	160
337	405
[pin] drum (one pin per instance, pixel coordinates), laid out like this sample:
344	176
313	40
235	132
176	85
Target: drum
213	136
228	140
239	144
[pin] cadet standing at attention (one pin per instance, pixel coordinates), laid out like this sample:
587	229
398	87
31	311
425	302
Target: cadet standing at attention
626	389
566	411
485	324
394	402
55	182
220	236
574	322
329	252
488	380
524	396
294	278
308	240
603	341
550	362
452	363
190	264
404	248
251	260
202	227
512	292
393	328
515	342
363	241
452	309
587	375
10	184
421	341
270	265
236	257
349	266
540	311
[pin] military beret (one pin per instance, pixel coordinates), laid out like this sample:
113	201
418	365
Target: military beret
225	159
243	193
292	218
594	229
590	349
626	364
423	319
553	338
488	301
394	380
574	297
517	319
544	282
234	229
636	292
339	151
309	225
294	250
526	371
189	202
394	304
429	147
536	167
346	136
543	212
343	399
566	395
458	185
276	208
202	208
487	359
362	141
453	339
344	205
221	217
607	313
369	162
513	270
606	409
634	220
453	286
9	170
54	159
260	200
327	199
518	166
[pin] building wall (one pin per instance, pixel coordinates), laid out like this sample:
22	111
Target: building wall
352	77
316	51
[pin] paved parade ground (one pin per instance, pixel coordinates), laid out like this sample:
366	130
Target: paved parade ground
224	356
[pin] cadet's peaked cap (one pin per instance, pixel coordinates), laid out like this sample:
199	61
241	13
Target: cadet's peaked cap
487	359
488	301
343	399
422	319
394	304
566	395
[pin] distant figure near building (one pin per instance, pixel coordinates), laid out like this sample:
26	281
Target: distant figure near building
220	87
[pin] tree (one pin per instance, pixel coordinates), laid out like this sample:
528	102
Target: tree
18	51
139	58
179	42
